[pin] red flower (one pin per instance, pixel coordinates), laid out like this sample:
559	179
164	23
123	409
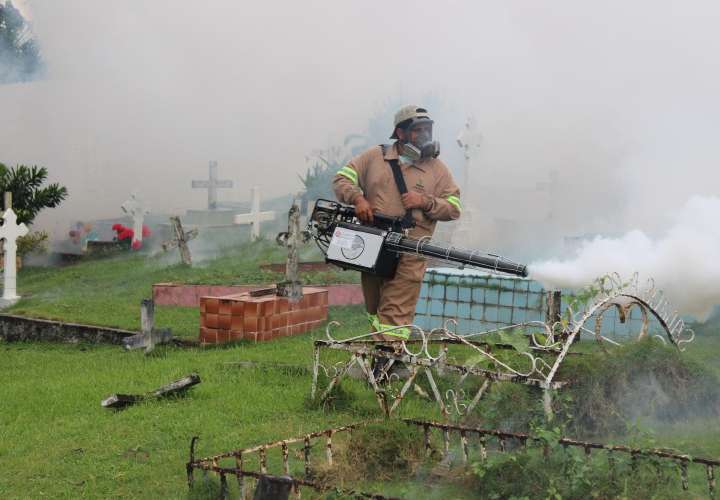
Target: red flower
146	231
117	227
125	234
136	244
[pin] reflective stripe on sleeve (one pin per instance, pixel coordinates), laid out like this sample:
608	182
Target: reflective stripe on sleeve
347	171
454	201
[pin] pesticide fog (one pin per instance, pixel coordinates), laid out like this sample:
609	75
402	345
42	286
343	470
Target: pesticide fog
672	259
596	119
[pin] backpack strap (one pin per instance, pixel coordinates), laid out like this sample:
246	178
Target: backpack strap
408	220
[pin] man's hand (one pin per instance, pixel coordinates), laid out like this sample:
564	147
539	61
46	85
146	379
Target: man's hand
363	211
413	199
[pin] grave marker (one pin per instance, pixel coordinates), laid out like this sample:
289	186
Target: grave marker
212	185
255	217
149	337
136	209
180	240
118	401
292	239
10	231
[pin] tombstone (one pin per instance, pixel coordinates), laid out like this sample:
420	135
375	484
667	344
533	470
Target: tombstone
180	240
255	217
10	231
212	185
136	209
149	337
292	239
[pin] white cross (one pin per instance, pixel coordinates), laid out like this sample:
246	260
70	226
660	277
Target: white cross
255	217
469	140
212	185
11	231
136	209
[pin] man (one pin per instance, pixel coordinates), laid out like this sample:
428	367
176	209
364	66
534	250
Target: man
432	195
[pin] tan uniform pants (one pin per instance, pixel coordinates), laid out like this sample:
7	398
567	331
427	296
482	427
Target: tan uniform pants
394	300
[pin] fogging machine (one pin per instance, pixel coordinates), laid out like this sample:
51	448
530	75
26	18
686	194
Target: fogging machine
376	248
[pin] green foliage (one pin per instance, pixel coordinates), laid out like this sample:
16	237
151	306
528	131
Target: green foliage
545	469
35	241
318	178
29	198
643	380
19	54
378	451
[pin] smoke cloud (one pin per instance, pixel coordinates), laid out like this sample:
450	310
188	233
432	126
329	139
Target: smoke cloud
684	261
595	118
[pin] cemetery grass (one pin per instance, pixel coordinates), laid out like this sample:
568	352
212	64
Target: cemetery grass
107	292
57	442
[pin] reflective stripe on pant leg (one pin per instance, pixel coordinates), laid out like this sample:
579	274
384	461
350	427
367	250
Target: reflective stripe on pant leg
399	296
402	332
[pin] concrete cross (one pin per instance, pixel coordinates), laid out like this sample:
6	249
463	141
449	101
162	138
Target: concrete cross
180	240
255	217
469	140
10	231
292	286
149	336
136	209
212	185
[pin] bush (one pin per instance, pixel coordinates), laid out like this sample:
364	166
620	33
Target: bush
546	469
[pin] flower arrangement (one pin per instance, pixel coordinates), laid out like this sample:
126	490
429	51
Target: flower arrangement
126	236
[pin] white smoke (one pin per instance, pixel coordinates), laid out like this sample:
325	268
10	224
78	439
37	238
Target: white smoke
684	261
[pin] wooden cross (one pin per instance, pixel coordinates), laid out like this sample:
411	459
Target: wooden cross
212	185
292	286
136	209
10	231
255	217
180	240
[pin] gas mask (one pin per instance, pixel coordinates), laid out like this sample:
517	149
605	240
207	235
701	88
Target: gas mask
423	147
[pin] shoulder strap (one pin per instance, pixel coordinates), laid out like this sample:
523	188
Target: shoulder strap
400	183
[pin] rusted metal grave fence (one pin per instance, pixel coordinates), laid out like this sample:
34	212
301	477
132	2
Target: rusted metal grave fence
284	454
497	440
536	363
276	461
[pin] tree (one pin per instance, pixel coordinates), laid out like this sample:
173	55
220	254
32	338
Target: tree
28	197
19	53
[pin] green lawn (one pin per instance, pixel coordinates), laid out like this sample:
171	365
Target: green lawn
57	442
108	292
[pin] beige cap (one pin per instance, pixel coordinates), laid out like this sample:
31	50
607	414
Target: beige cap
408	112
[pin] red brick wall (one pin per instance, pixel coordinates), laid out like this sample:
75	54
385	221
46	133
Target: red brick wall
242	317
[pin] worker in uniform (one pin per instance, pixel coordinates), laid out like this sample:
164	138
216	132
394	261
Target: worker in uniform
369	183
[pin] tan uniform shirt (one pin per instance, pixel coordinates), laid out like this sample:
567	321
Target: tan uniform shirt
374	179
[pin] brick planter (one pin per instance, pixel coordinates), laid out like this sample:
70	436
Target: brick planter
237	317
